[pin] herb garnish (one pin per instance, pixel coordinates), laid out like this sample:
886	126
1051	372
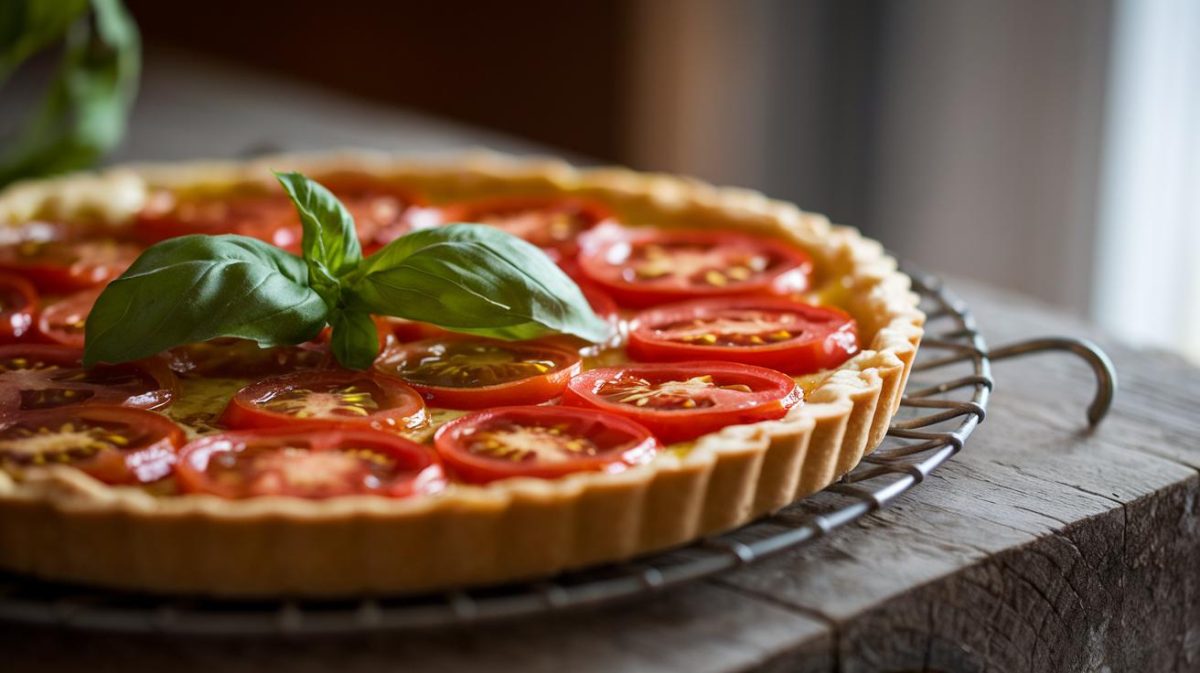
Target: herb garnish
84	113
464	277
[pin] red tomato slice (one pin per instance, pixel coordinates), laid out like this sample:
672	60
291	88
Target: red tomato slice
552	223
382	211
68	266
326	399
541	442
603	306
231	358
678	402
404	331
781	334
116	445
267	217
63	321
648	267
18	305
46	377
307	464
472	373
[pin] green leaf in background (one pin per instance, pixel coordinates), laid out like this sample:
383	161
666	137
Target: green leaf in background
195	288
84	114
474	279
330	243
29	26
355	339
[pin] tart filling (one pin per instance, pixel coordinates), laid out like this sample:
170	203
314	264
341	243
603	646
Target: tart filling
733	347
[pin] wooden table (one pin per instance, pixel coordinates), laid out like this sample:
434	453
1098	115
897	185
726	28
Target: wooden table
1041	547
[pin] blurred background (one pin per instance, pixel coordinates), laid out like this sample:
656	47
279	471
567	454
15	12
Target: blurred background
1045	146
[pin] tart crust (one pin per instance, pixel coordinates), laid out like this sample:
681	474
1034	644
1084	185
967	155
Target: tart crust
60	524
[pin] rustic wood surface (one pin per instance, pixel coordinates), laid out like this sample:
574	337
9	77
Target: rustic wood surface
1041	547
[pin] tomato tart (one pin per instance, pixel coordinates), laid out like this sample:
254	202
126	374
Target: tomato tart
755	353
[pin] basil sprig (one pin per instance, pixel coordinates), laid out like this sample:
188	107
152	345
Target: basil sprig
464	277
84	113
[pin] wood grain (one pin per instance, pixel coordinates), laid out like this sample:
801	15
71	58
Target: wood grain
1039	548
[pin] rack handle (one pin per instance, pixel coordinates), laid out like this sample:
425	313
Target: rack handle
1101	364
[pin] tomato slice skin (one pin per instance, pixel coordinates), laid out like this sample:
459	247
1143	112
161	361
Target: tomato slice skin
65	266
404	331
63	321
267	217
552	223
473	373
326	400
227	357
116	445
382	213
795	338
35	376
602	442
307	464
678	402
646	267
18	306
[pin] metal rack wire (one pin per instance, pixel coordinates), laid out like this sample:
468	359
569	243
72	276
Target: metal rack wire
945	401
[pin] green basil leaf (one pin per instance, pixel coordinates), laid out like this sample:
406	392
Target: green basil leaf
355	339
28	26
85	111
330	242
475	279
196	288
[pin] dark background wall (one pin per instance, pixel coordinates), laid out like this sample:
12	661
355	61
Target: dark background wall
967	136
549	70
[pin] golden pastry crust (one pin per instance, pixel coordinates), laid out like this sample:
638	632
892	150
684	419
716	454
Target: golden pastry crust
58	523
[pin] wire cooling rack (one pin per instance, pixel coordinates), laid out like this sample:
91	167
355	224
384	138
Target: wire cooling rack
945	400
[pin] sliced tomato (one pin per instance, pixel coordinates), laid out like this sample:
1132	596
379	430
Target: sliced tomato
116	445
678	402
648	267
18	305
542	442
326	399
63	321
552	223
404	331
227	357
472	373
603	306
600	302
307	464
68	266
382	211
269	217
789	336
46	377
